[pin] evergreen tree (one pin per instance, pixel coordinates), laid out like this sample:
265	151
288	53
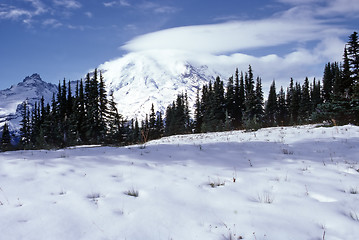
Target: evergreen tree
6	138
250	96
159	125
103	110
219	104
152	134
282	114
345	87
114	122
230	101
259	102
315	95
198	115
271	109
353	55
328	82
305	104
25	130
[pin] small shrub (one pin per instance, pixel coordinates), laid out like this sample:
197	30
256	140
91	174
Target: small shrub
354	216
132	192
353	190
217	183
287	152
94	197
265	198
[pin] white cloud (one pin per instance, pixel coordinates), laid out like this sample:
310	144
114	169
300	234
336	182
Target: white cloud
235	36
70	4
294	47
16	13
51	23
165	9
109	4
10	12
328	8
88	14
122	3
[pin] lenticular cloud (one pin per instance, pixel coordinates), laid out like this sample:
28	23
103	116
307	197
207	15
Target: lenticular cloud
233	36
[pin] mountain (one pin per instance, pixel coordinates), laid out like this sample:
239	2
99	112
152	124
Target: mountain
137	80
31	89
140	79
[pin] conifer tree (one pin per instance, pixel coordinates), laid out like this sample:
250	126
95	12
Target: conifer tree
25	130
305	104
259	102
114	122
230	100
345	87
282	115
6	138
271	109
315	95
103	110
250	96
198	115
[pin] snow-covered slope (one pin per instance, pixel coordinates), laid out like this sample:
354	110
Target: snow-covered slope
32	88
290	183
140	79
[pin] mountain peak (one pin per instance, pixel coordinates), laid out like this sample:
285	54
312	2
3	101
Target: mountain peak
33	78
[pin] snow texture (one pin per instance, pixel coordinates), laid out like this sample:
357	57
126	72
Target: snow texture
275	183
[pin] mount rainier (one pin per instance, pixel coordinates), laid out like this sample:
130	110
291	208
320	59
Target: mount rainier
137	81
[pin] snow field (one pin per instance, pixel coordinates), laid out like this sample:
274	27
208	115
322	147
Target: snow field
290	183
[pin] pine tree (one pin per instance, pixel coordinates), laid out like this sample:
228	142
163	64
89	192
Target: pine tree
152	134
282	114
230	102
159	125
328	82
315	95
305	104
6	138
353	55
271	109
114	122
103	110
198	115
250	96
345	87
219	104
25	133
259	102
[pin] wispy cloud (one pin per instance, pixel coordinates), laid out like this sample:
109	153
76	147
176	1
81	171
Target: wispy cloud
165	9
326	8
17	13
52	23
122	3
88	14
11	12
70	4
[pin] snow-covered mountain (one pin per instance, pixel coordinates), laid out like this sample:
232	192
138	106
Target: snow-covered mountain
137	79
140	79
31	89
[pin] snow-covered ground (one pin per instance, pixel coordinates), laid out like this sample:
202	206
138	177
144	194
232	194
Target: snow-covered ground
290	183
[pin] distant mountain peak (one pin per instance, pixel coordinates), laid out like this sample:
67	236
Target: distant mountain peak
33	77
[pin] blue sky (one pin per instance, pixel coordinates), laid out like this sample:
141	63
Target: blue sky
66	38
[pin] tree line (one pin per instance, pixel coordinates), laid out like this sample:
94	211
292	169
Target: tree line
240	104
90	116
